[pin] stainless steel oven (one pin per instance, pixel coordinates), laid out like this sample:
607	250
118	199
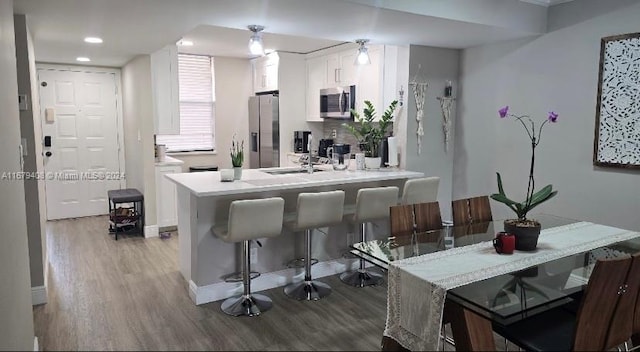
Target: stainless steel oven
336	103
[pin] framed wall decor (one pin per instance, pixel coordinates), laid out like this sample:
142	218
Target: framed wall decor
617	132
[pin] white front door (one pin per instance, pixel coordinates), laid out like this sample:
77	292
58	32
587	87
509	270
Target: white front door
78	112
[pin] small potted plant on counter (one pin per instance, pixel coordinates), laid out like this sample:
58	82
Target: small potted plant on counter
370	133
237	157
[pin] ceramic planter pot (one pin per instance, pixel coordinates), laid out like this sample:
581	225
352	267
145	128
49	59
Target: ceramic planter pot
237	173
372	163
526	236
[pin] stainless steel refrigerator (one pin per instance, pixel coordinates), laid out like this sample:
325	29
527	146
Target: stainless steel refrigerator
264	131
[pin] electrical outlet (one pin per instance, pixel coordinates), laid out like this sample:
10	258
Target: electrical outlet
334	134
254	255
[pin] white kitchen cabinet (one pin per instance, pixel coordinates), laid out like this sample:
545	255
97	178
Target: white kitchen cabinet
339	69
369	82
166	199
164	87
316	80
265	73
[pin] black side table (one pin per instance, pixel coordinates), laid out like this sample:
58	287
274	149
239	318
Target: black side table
119	216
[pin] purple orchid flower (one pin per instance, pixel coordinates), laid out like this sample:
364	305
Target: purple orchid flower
504	111
553	117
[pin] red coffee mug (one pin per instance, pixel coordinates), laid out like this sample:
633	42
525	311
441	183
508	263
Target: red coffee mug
504	243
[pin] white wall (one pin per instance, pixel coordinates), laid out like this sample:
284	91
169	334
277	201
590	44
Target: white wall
557	71
437	65
31	130
232	88
16	317
138	132
292	73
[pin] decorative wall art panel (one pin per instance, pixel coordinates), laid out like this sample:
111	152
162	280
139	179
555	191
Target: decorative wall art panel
617	133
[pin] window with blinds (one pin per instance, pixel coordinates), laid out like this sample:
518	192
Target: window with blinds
197	99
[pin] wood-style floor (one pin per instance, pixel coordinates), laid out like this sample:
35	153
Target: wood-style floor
129	295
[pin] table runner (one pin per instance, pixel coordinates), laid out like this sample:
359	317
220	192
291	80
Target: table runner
418	285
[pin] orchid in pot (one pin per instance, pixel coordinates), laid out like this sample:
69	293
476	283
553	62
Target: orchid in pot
526	230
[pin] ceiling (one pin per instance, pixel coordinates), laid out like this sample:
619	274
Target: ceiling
133	27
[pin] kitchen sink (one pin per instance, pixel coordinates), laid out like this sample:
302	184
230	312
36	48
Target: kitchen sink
289	171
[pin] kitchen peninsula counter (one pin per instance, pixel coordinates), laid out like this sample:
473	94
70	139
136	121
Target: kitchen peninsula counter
203	203
203	184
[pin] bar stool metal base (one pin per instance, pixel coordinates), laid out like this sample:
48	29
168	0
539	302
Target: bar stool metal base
361	278
308	290
300	263
251	305
237	276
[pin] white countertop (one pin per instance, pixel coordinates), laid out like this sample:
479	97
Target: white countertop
204	184
169	161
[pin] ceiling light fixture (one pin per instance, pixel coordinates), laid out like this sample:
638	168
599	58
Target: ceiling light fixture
184	42
83	59
363	53
255	42
93	40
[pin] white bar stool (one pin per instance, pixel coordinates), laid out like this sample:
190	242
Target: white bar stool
314	210
249	220
420	190
371	204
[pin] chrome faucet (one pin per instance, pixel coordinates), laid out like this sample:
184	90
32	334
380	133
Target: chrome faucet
309	163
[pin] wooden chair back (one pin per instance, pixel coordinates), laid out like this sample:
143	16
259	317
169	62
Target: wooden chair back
401	220
599	302
427	216
622	324
471	210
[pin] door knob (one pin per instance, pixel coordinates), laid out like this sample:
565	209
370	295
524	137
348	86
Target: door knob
48	153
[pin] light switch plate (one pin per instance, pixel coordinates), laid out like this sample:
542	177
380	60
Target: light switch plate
23	141
23	102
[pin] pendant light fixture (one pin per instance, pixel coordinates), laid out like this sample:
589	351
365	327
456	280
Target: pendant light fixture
363	53
255	42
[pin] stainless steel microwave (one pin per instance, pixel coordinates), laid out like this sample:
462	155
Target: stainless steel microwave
336	103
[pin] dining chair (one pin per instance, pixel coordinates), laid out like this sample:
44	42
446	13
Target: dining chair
410	219
471	210
420	190
622	324
560	330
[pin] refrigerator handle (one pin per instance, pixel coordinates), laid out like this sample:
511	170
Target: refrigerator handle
254	141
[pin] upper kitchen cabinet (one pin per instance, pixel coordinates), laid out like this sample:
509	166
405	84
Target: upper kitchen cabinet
265	73
164	86
339	69
316	80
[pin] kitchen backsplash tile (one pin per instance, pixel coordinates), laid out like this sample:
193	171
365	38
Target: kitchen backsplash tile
342	134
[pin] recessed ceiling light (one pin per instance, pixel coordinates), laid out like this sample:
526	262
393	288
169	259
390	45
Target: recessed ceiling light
83	59
185	42
93	40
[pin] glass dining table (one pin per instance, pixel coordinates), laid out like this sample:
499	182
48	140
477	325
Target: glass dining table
508	298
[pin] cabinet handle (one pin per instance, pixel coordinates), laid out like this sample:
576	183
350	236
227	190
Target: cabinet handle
335	75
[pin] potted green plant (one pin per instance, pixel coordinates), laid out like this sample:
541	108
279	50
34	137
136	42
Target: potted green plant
526	230
369	133
237	157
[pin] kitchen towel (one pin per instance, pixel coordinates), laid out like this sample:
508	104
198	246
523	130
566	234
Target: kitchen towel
393	151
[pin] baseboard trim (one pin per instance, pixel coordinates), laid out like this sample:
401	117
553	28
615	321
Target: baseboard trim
36	347
38	295
221	290
151	231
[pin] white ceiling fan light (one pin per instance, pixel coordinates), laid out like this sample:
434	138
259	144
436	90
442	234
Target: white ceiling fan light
363	53
255	42
93	40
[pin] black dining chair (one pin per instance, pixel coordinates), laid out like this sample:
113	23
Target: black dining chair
612	286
